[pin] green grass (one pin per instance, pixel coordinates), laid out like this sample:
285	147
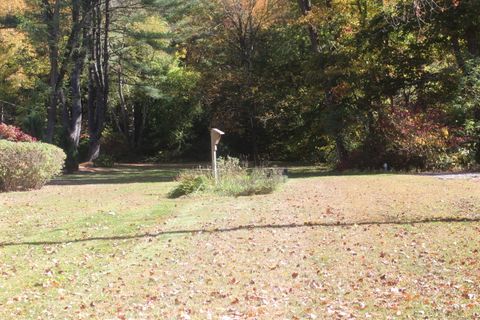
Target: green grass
112	245
71	217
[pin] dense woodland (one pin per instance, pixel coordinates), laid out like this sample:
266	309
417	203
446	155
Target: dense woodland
356	83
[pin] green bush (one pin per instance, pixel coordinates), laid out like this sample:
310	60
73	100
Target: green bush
27	165
115	145
104	161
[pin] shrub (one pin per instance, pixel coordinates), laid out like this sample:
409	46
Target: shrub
407	140
26	165
115	145
104	161
13	133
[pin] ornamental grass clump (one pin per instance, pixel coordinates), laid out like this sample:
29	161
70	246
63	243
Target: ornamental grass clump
253	182
237	179
190	182
234	179
28	165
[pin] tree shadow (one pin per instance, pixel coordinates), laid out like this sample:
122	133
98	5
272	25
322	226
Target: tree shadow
151	173
122	174
300	174
244	227
114	178
295	173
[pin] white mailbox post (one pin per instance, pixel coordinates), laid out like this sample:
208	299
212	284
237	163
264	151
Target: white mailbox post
215	136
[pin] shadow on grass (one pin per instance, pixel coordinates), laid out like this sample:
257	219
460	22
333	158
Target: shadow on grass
145	173
313	171
118	175
243	227
298	174
295	173
117	178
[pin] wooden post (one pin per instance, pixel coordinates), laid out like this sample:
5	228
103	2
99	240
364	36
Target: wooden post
215	136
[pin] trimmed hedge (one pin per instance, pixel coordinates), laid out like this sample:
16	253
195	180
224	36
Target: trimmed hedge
26	165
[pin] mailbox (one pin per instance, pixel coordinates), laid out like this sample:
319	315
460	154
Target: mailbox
215	136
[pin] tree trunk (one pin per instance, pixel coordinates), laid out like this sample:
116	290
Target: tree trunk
98	75
342	153
458	54
72	114
58	67
139	121
52	20
76	116
74	123
93	148
124	114
471	38
306	8
253	128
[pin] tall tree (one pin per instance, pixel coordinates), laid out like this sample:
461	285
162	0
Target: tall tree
98	73
73	109
51	13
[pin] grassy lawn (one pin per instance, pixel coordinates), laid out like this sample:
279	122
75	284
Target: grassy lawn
111	245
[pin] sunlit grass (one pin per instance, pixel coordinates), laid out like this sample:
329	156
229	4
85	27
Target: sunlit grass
365	245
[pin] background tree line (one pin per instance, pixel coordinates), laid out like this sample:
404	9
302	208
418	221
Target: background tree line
353	82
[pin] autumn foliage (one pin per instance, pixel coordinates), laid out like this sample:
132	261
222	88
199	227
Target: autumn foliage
408	139
14	134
